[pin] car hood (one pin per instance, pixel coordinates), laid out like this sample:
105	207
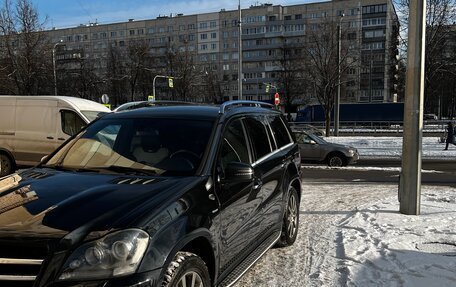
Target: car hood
49	203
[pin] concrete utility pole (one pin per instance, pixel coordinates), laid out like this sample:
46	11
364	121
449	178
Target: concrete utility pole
240	54
410	181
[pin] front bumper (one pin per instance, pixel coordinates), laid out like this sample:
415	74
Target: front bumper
146	279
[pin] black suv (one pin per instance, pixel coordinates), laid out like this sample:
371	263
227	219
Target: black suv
165	196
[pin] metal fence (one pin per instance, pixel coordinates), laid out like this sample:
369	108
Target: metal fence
430	128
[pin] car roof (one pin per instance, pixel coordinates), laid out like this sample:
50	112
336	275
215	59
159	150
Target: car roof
202	112
196	111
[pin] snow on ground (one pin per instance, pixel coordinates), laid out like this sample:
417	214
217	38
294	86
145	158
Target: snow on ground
391	147
353	235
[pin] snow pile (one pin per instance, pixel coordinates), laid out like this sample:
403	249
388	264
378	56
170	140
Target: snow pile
391	147
352	234
385	248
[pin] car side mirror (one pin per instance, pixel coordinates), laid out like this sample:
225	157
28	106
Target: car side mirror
312	142
44	158
238	172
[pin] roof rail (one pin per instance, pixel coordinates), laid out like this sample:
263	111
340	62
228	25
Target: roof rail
226	105
169	103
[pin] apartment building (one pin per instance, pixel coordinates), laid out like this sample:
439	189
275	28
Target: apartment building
370	29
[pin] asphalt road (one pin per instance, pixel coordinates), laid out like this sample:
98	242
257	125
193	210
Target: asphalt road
381	171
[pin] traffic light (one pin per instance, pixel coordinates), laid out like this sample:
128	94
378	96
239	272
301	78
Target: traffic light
170	82
276	99
267	88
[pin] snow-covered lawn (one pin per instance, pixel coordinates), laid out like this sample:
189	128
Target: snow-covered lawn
353	235
391	147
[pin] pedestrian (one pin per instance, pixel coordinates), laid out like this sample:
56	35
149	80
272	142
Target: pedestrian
450	133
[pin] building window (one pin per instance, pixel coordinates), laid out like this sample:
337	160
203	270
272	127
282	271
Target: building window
287	18
374	9
140	31
213	35
203	47
191	37
213	24
161	30
226	67
213	57
191	26
214	46
203	25
181	27
203	36
113	34
298	16
132	32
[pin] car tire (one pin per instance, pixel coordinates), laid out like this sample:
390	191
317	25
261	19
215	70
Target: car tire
6	164
290	219
336	160
189	268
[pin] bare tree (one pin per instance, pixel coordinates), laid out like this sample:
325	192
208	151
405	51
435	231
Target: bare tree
321	62
81	80
291	72
440	14
181	65
25	59
137	60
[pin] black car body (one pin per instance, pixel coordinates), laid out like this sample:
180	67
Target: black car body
98	213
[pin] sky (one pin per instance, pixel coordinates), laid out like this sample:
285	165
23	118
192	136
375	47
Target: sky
69	13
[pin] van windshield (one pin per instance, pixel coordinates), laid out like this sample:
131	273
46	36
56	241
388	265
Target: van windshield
159	146
93	115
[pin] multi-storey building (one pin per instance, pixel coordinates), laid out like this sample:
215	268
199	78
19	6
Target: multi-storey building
370	32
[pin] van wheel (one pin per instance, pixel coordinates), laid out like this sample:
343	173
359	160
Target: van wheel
290	219
187	270
6	165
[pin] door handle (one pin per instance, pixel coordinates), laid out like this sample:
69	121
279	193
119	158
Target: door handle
61	139
50	138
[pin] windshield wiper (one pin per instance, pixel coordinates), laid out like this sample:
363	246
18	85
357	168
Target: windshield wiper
126	169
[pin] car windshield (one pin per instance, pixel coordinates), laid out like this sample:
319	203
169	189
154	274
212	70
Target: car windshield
143	145
317	139
93	115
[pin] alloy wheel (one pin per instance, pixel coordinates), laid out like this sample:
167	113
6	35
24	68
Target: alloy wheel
190	279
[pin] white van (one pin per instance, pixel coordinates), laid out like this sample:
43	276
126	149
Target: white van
34	126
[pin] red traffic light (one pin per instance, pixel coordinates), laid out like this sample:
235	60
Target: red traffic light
276	99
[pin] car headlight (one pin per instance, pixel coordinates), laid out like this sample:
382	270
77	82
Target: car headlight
352	152
116	254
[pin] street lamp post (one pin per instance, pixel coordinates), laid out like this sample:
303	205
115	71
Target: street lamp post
53	63
337	102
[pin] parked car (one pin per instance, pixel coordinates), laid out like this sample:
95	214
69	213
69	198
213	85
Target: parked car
34	126
314	149
163	196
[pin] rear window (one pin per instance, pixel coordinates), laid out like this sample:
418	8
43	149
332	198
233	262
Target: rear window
279	131
258	136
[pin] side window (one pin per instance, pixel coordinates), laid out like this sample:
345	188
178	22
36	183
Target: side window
302	138
259	137
280	132
234	145
71	122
